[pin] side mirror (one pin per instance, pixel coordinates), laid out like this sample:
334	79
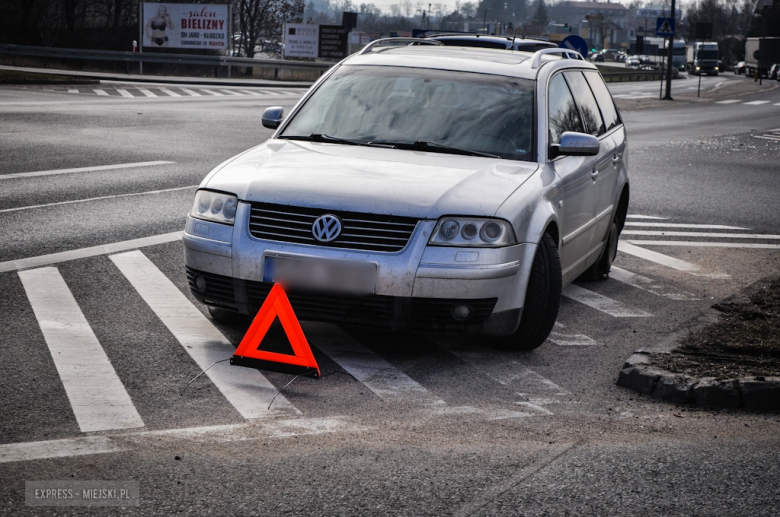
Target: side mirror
273	116
575	144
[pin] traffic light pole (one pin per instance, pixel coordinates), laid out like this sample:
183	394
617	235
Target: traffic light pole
668	96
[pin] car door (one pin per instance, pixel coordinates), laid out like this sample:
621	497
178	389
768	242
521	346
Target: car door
606	182
603	171
579	204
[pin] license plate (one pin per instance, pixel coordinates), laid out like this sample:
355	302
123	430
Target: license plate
321	274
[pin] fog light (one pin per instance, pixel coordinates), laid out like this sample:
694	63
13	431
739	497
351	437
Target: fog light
200	283
461	312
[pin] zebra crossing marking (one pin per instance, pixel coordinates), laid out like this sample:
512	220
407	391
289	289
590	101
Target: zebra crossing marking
745	245
385	380
146	92
636	216
677	225
757	103
30	451
658	233
649	285
246	389
212	92
231	92
96	394
658	258
602	303
168	92
191	93
124	93
730	101
100	92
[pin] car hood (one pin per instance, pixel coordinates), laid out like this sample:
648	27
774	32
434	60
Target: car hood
369	179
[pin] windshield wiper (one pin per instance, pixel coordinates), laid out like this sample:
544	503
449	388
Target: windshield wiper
437	147
321	137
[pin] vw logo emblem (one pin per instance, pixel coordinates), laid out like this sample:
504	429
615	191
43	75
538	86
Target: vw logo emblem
326	228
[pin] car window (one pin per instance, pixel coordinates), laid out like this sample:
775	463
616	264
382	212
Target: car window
399	105
606	104
587	102
563	113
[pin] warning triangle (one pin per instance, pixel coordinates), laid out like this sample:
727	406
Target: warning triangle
276	305
665	27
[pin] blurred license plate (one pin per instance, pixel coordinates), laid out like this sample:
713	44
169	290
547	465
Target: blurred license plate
321	274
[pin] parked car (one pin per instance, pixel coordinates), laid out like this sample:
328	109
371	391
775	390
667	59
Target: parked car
496	42
421	187
772	74
739	68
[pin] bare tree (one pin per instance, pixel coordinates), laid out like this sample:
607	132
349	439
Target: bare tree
263	19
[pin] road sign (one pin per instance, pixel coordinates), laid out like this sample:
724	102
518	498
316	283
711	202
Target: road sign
575	42
276	305
664	27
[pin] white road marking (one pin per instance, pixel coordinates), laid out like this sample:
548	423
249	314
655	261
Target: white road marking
64	256
124	93
746	245
602	303
83	169
259	429
269	92
649	285
100	92
168	92
674	225
385	380
535	407
211	92
700	234
73	90
756	103
246	389
502	370
146	92
251	92
30	451
768	137
97	396
653	256
730	101
231	92
189	92
634	216
486	414
58	203
571	339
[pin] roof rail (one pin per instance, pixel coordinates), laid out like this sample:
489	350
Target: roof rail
412	41
537	62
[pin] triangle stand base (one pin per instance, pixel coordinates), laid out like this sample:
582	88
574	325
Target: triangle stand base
271	366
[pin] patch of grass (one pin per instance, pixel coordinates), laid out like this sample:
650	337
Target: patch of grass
17	77
744	342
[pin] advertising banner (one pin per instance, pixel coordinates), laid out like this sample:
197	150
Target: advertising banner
333	41
198	26
300	40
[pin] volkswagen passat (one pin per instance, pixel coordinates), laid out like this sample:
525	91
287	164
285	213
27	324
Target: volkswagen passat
421	187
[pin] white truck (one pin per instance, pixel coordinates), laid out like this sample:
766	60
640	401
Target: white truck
703	58
760	54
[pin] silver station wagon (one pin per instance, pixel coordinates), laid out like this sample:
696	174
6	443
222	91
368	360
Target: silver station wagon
421	187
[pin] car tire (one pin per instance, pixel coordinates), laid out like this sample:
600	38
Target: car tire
542	301
224	316
600	270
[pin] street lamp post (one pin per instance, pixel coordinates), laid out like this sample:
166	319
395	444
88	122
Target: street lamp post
668	96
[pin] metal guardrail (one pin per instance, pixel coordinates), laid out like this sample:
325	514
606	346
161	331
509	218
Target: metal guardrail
156	57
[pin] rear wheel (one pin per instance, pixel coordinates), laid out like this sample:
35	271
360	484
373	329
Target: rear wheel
542	301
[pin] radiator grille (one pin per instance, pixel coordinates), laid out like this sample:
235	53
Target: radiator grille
368	232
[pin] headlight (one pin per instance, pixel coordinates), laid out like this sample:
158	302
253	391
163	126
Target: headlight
468	231
214	206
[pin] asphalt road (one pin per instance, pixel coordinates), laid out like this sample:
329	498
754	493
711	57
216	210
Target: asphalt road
451	427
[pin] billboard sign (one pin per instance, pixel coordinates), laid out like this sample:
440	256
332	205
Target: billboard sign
195	26
333	41
301	40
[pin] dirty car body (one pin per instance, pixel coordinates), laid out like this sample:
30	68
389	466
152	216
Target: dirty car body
412	188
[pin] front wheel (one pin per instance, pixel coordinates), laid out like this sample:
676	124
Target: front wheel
542	301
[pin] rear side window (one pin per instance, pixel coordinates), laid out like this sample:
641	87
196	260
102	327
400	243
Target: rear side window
587	102
607	105
563	113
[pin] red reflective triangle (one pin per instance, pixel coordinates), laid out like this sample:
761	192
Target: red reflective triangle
276	305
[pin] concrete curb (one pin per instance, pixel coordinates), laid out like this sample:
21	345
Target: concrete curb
641	375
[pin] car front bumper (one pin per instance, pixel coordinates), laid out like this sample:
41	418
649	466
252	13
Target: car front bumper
417	288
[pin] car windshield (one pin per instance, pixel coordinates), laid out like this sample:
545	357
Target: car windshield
414	108
708	54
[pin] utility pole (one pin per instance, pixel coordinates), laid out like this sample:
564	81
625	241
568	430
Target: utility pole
668	96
